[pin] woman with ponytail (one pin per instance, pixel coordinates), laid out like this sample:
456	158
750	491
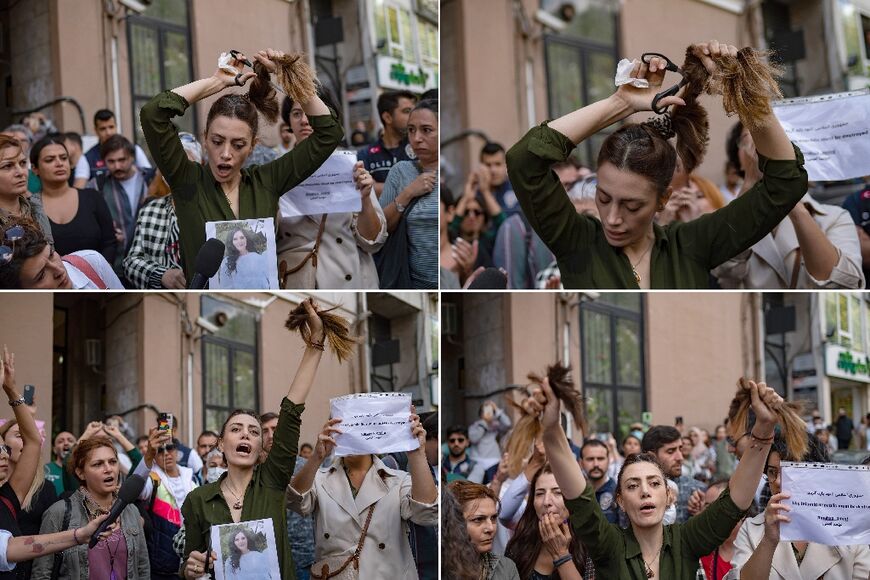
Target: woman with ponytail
222	190
636	163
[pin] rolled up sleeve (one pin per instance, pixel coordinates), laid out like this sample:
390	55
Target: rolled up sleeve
302	503
423	514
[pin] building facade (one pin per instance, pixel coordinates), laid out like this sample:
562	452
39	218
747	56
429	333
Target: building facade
635	357
200	355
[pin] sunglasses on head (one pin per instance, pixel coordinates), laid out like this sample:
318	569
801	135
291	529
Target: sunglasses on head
10	236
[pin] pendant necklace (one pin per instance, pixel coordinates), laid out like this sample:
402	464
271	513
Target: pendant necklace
634	266
649	570
238	504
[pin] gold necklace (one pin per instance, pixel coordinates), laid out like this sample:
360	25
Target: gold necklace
649	570
238	504
634	266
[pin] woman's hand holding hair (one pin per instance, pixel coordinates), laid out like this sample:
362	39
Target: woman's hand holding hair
765	402
267	59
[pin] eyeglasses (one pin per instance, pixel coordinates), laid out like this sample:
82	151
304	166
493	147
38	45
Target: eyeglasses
733	442
771	473
166	448
10	236
5	449
456	440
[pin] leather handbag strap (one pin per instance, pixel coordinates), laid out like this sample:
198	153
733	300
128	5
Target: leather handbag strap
284	270
796	269
325	573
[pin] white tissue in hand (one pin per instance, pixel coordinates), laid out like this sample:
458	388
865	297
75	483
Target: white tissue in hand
623	72
224	63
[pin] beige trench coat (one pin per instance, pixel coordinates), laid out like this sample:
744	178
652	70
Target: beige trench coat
339	518
828	562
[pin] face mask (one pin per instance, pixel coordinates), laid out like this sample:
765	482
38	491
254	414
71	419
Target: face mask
670	514
214	473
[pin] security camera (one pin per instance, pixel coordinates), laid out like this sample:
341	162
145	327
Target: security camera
136	5
550	21
207	325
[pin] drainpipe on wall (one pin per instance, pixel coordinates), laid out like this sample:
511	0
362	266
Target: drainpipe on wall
366	41
116	85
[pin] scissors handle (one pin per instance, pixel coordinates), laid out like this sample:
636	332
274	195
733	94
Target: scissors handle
235	54
659	96
648	56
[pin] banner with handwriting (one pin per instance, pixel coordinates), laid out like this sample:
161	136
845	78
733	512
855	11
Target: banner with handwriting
373	423
830	503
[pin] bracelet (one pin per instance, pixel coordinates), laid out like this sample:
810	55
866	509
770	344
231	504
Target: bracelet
762	440
16	402
318	345
75	536
559	561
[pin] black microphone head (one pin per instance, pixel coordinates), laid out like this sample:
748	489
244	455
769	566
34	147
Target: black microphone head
209	257
489	279
131	488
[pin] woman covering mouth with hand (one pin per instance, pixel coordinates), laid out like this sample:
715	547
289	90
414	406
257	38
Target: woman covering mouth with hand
249	490
648	548
222	190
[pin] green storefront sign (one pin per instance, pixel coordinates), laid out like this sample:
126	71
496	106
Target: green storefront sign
853	365
408	77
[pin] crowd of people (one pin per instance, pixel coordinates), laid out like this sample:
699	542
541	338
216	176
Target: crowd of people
375	514
664	502
646	218
107	218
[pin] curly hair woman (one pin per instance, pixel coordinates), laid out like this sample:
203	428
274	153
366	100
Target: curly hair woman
626	249
222	190
244	267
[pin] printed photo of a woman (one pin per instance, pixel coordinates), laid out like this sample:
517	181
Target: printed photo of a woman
244	267
245	561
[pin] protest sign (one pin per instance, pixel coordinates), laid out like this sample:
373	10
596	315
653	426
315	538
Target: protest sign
245	551
832	131
830	504
250	256
373	423
330	189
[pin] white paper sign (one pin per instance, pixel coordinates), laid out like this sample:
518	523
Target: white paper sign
245	551
250	258
832	131
830	504
373	423
330	189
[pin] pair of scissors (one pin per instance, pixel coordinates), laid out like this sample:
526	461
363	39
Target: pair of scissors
646	58
235	54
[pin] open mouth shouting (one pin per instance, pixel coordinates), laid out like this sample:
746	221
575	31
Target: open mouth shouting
224	170
244	449
647	508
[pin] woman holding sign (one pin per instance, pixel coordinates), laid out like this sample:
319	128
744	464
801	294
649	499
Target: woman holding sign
330	251
249	490
222	190
649	548
625	248
759	554
363	507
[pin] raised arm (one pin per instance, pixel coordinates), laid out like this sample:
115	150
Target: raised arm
301	385
565	468
28	463
25	548
746	476
304	478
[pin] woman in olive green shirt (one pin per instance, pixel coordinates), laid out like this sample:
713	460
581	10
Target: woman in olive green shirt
626	249
249	490
648	548
222	190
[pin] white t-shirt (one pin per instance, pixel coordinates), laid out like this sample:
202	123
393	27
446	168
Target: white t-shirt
83	169
142	159
179	486
79	279
133	187
5	565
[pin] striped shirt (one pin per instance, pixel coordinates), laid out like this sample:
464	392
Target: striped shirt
422	224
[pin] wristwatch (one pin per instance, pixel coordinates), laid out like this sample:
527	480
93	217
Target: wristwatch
399	207
16	402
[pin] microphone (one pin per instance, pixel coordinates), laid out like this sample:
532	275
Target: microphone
208	260
128	493
489	279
